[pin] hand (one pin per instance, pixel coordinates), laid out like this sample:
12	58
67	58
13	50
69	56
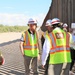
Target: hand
38	57
43	67
23	54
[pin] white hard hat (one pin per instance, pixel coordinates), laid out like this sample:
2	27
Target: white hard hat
55	21
48	23
32	21
65	25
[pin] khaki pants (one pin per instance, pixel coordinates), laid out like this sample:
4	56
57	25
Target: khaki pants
29	61
59	69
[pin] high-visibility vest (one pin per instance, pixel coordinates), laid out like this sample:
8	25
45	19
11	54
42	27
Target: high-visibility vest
60	50
30	46
44	34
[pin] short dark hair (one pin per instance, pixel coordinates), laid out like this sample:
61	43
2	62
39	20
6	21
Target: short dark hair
57	25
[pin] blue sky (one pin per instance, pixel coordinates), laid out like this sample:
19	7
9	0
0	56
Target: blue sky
17	12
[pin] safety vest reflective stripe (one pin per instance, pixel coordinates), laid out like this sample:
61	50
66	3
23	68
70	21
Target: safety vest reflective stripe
29	47
59	49
53	41
27	40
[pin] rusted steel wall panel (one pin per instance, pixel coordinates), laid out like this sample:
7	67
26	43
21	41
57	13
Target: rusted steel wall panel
62	9
73	7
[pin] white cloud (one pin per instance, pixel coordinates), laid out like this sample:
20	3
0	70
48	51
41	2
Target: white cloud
40	18
18	19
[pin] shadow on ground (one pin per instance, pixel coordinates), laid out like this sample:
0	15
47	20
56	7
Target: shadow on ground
7	43
16	72
13	59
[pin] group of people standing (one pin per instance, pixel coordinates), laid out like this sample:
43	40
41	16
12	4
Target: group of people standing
56	54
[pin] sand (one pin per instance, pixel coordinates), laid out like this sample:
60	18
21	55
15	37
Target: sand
10	36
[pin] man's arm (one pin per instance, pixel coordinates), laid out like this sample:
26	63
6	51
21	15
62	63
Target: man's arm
21	43
21	48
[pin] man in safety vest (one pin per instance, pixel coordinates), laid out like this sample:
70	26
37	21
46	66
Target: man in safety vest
29	47
57	44
49	30
65	27
49	27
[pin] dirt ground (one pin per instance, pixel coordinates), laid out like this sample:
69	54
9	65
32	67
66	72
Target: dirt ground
10	36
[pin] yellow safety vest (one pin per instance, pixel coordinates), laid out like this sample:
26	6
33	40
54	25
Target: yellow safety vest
30	46
60	49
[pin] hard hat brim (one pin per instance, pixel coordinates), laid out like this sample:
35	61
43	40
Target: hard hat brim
32	24
47	25
55	23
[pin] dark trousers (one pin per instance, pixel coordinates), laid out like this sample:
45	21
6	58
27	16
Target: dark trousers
47	65
72	57
71	66
30	61
59	69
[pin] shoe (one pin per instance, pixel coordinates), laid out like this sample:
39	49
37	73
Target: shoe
71	73
40	67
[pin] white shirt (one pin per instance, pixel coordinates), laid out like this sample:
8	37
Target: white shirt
46	51
22	37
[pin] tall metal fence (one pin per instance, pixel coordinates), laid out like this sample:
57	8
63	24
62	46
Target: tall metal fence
62	9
